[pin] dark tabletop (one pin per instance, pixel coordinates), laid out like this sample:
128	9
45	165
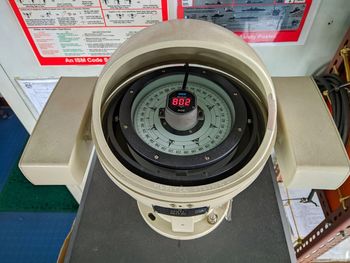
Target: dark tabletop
109	228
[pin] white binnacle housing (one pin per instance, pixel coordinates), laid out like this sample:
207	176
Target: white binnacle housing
198	43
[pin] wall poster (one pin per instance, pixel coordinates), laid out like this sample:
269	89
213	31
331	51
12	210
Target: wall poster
83	32
254	20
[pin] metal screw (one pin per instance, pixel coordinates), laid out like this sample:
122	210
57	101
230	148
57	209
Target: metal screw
212	218
189	131
235	93
204	72
239	129
172	205
131	91
156	157
125	126
207	158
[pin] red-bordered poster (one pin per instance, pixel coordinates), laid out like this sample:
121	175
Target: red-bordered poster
83	32
253	20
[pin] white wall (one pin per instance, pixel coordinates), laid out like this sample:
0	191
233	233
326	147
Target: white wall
18	61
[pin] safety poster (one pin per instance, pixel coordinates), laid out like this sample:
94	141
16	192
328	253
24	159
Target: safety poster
253	20
83	32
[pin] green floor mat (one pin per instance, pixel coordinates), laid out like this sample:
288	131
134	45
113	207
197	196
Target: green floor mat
18	194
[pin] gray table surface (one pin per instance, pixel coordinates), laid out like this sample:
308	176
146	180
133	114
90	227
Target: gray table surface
109	228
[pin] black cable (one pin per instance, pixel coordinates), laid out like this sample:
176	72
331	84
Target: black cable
340	89
345	103
184	84
338	96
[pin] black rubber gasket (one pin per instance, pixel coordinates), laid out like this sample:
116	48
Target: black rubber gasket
190	161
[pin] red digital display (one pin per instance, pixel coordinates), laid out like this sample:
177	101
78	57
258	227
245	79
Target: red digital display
181	101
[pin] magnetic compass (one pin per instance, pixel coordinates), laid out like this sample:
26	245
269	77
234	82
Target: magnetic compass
181	124
183	120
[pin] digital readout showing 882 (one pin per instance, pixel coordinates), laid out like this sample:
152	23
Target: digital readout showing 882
181	101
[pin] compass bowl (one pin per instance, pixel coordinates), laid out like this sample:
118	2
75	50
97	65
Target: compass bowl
184	194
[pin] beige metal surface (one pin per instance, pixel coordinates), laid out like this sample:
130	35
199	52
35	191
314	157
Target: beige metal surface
59	148
309	149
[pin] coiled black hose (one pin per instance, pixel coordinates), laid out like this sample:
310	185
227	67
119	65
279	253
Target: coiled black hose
336	90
